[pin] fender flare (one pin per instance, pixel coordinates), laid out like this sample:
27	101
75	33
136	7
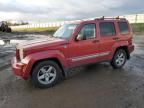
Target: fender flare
118	45
31	59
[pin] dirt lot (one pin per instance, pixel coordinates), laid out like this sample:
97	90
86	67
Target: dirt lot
93	86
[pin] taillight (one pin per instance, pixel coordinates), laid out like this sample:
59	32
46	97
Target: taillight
130	41
17	54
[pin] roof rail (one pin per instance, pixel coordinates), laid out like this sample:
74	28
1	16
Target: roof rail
108	18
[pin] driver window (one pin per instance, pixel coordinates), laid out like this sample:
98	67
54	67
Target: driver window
88	31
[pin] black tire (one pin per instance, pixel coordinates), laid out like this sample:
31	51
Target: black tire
37	69
9	30
3	30
115	59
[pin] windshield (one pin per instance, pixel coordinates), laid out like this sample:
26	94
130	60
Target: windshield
65	31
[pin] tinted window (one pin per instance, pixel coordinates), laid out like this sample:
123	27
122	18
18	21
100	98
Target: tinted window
88	31
107	29
123	26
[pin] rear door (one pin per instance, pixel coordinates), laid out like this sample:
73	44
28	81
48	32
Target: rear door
108	37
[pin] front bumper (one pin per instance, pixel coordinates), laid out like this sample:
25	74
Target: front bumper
18	68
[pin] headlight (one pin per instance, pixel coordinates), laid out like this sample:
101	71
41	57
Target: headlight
19	52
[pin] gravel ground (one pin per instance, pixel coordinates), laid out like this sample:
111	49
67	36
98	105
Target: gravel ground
93	86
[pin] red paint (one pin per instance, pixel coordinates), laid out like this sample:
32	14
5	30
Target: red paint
68	52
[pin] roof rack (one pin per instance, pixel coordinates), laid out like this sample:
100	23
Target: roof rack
108	18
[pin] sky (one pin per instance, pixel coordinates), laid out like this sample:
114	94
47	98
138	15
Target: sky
60	10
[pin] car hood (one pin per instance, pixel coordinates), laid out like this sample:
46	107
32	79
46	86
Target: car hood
41	43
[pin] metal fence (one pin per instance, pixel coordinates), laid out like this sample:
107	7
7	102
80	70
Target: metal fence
136	18
44	25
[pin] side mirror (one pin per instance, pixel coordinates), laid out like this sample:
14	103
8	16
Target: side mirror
79	37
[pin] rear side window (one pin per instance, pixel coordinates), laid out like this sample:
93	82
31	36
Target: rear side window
107	29
123	26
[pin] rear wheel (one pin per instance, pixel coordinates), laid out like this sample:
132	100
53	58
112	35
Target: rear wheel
119	59
46	74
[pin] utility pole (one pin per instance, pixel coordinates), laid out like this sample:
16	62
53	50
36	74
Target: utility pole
136	18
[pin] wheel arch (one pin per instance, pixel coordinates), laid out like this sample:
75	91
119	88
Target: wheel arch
125	48
52	59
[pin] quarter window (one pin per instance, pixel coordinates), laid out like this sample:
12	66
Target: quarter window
107	29
88	31
123	26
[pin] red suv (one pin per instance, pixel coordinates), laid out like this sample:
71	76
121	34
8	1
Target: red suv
74	44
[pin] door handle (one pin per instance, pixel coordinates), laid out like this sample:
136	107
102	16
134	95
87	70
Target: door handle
95	41
116	38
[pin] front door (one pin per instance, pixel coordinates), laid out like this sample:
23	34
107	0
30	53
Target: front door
85	50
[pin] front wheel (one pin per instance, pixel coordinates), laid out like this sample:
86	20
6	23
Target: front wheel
119	59
46	74
9	30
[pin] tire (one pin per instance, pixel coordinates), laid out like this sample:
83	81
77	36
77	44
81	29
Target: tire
46	74
3	30
119	59
9	30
